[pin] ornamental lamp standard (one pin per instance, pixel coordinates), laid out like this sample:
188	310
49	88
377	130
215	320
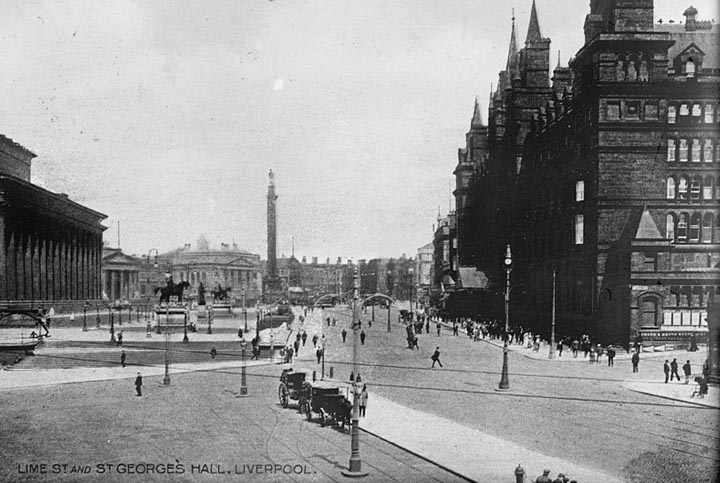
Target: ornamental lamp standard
410	272
85	307
243	380
355	468
244	309
504	379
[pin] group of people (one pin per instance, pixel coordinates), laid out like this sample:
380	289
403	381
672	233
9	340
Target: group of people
545	478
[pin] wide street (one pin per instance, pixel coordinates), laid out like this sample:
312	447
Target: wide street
578	412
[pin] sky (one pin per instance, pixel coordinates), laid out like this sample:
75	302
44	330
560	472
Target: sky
166	115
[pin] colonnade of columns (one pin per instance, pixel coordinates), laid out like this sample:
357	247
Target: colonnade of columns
47	260
121	284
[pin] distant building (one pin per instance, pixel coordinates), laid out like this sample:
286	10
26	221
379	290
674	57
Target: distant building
120	275
52	246
227	266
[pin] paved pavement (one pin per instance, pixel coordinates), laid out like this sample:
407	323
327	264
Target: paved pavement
474	454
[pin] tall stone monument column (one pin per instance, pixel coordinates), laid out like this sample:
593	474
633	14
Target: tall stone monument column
273	288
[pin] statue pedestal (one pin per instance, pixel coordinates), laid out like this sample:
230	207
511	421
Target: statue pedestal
222	309
171	318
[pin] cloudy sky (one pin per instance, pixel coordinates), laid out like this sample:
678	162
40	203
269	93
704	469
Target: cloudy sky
167	115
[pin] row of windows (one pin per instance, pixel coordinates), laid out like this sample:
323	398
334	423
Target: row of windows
693	228
695	112
693	150
695	188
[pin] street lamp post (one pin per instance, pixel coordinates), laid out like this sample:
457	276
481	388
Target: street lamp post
410	271
85	306
185	320
244	309
209	318
388	317
355	469
166	379
504	378
243	380
112	323
551	354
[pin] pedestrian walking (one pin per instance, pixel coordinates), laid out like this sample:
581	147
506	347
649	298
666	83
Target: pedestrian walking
344	335
138	385
544	478
318	353
122	358
328	321
559	348
304	337
213	353
688	371
575	347
363	400
296	346
635	361
362	337
436	357
256	352
674	370
427	326
611	356
455	328
315	339
119	338
240	333
334	321
666	369
438	326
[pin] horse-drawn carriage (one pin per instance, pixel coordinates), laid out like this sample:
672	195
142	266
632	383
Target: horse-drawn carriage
293	386
328	400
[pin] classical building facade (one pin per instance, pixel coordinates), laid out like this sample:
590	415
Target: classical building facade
604	174
120	275
227	266
52	246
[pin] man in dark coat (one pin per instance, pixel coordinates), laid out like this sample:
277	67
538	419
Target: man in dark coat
344	335
635	360
362	337
688	372
122	358
138	384
611	356
666	369
674	370
436	357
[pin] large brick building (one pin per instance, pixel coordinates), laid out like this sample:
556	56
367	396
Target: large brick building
605	174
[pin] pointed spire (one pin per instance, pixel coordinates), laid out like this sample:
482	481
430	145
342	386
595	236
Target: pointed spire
477	116
533	34
512	66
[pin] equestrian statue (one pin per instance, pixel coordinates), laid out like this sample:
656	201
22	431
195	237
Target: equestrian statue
172	289
220	294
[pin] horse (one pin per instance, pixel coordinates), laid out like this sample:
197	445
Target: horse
220	293
170	290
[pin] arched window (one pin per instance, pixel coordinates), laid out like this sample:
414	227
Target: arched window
683	150
671	188
682	188
707	188
694	228
706	229
690	68
708	151
672	114
682	227
670	227
695	156
648	310
671	151
695	189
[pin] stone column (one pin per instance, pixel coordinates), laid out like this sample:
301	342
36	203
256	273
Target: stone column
11	260
3	259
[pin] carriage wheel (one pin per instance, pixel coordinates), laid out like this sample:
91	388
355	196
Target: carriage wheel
323	418
283	395
306	409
